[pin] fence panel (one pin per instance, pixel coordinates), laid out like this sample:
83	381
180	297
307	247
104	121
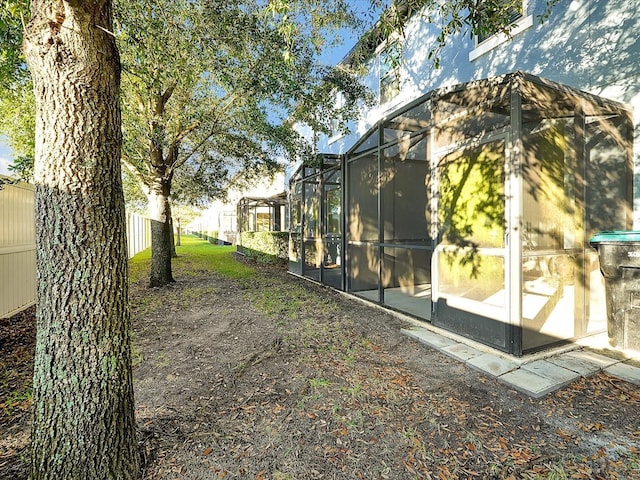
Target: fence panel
17	249
138	233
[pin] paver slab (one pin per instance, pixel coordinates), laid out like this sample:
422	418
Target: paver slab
492	364
582	362
594	357
625	372
428	338
561	376
529	382
461	351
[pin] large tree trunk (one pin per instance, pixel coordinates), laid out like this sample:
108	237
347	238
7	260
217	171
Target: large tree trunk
83	423
161	235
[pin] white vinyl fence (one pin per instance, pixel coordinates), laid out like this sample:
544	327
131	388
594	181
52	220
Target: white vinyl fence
138	233
18	249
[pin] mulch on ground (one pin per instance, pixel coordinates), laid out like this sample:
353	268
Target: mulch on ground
276	378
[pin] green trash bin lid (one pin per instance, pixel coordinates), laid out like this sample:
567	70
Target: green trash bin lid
616	237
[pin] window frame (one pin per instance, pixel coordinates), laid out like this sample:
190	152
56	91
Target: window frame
518	25
388	73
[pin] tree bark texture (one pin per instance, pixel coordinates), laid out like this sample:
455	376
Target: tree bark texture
161	245
83	424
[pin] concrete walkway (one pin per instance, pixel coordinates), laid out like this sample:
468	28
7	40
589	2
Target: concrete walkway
535	375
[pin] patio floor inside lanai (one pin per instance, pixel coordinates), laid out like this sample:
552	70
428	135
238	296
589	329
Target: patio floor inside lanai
415	300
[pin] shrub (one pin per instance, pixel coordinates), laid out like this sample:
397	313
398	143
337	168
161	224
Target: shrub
265	247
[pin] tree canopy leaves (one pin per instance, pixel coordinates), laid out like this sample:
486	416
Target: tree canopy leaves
211	91
217	87
12	15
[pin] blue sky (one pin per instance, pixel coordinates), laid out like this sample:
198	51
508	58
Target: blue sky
5	157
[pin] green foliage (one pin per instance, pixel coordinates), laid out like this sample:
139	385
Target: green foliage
209	92
471	209
17	104
12	15
17	124
184	214
266	247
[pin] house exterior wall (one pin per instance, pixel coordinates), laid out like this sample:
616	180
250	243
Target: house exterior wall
591	45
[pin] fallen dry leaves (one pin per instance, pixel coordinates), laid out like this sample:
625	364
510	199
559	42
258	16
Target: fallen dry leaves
336	392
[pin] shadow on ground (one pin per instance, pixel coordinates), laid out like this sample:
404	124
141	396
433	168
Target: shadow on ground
271	377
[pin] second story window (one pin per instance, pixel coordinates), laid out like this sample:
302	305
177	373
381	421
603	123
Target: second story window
389	68
497	11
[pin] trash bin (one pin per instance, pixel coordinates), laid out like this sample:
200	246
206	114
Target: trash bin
619	255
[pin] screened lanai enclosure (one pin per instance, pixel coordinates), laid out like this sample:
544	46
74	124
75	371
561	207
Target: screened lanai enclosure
471	208
261	214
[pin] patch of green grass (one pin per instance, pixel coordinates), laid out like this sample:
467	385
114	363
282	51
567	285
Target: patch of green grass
355	390
356	420
633	460
140	266
319	382
195	256
410	433
349	357
162	360
276	299
198	254
292	301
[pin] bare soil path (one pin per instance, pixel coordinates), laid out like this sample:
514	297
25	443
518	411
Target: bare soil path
247	372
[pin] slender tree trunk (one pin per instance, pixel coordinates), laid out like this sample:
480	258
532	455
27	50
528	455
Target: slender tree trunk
178	233
160	236
83	424
172	238
174	254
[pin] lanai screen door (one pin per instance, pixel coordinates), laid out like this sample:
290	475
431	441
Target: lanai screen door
472	286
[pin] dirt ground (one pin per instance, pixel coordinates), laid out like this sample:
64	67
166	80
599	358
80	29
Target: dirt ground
272	377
